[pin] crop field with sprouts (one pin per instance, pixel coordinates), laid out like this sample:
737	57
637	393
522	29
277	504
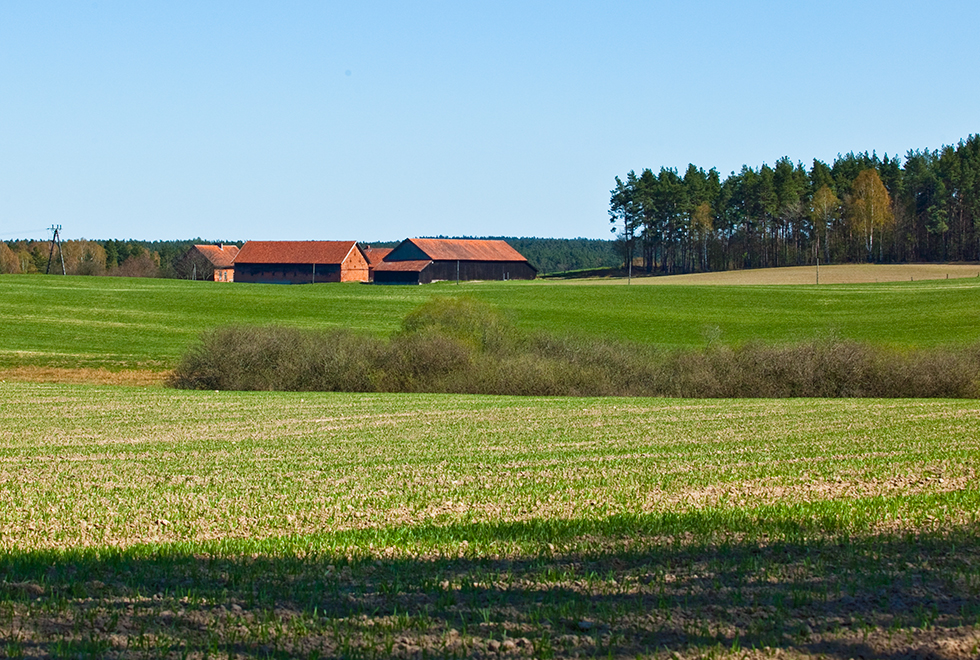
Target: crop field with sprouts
144	522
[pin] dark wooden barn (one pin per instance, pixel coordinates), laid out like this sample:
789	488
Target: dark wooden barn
301	262
425	260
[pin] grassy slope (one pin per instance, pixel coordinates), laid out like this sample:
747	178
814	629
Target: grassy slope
147	324
289	525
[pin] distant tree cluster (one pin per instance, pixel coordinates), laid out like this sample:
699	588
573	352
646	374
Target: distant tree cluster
84	257
556	255
860	209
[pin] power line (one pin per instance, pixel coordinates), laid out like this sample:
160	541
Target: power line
26	232
56	239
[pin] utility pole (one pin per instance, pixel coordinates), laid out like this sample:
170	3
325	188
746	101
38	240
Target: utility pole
55	239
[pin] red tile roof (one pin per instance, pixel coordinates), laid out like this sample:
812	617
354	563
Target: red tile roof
221	256
403	266
448	249
295	252
376	255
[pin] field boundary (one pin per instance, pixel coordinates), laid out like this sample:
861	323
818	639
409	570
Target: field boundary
794	275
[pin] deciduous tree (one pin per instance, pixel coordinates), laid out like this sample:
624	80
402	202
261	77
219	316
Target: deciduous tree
869	207
824	210
9	263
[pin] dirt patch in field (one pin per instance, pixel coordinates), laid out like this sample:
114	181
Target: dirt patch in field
83	376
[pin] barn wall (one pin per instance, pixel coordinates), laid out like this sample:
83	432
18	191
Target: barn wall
481	270
355	267
396	277
407	251
468	270
286	273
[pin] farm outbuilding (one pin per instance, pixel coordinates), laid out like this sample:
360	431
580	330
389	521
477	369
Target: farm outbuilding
425	260
301	262
375	256
208	262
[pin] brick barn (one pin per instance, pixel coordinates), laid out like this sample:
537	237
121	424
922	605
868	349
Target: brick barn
301	262
425	260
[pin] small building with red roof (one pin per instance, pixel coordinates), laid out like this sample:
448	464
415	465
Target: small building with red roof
301	262
209	262
425	260
375	256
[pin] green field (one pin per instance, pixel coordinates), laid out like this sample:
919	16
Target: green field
121	323
148	522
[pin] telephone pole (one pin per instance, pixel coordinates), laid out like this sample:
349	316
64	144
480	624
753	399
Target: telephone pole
55	240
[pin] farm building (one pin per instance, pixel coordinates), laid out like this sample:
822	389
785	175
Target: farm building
424	260
301	262
208	262
375	256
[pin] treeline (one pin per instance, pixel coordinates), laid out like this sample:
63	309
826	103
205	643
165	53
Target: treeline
862	208
557	255
110	257
165	258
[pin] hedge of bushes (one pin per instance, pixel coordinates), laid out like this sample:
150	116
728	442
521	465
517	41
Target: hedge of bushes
464	346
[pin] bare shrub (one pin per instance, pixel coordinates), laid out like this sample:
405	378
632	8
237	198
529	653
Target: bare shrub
425	361
459	345
278	359
145	264
468	320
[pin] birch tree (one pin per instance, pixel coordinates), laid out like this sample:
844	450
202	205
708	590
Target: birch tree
870	207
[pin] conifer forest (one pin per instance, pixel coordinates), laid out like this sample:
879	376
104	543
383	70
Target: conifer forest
861	208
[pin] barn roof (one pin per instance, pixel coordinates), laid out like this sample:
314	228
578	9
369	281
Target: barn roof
295	252
376	255
452	249
221	256
415	265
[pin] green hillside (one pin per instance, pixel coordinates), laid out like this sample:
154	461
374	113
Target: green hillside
147	323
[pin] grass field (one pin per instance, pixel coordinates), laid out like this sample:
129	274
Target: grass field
145	324
137	521
146	522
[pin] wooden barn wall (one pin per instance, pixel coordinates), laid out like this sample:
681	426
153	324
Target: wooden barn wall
407	251
481	270
286	273
397	277
468	270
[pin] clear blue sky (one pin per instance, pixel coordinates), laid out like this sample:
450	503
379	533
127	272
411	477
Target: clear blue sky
382	120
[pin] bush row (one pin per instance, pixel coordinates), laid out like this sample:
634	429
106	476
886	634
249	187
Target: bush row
463	346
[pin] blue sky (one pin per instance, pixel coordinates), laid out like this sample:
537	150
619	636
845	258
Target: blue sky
382	120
